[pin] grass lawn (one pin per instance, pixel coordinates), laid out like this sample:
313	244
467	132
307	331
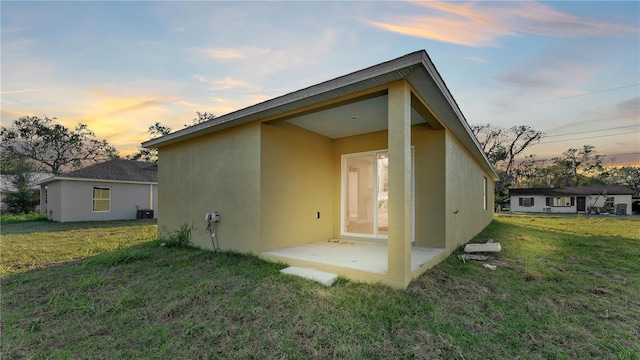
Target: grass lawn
563	288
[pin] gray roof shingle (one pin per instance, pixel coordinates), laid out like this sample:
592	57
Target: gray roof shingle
114	170
575	190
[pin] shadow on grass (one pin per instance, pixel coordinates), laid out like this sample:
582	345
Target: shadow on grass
53	226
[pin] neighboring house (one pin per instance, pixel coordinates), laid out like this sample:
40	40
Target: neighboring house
7	185
113	190
383	154
579	199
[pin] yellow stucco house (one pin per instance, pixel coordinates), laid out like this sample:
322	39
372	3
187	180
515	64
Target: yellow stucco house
374	175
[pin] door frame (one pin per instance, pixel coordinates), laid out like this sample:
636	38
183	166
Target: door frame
344	172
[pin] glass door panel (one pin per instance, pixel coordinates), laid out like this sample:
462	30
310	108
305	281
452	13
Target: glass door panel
359	212
382	194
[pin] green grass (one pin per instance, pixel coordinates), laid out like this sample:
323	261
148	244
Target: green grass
7	218
31	245
563	288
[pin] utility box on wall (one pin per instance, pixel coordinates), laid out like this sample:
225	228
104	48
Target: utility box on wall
144	214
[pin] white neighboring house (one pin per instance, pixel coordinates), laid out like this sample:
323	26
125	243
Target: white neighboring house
113	190
578	199
7	185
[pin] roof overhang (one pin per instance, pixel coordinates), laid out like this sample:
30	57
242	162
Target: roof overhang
572	191
416	68
62	178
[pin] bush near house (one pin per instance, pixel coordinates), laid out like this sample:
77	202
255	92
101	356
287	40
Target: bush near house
563	288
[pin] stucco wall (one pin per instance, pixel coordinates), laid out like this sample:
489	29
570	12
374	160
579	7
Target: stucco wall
296	183
216	172
464	210
430	199
539	205
73	200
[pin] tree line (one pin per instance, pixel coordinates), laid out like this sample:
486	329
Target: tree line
581	166
34	144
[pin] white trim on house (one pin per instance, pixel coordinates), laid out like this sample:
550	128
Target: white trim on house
93	199
58	178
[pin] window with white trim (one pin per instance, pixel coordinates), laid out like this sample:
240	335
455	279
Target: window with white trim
561	201
101	199
609	201
525	202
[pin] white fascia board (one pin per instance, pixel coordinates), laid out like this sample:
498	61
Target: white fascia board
48	181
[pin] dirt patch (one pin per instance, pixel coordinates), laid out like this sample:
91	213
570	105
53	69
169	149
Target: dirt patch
504	262
601	291
530	275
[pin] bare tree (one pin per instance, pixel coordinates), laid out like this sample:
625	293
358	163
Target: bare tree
158	130
491	139
628	176
520	138
52	146
151	155
202	117
503	146
572	168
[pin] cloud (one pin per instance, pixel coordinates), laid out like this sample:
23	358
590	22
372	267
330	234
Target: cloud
232	53
481	24
20	91
626	112
225	84
117	106
7	116
477	59
629	109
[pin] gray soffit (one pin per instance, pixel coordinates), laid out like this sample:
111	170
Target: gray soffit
416	68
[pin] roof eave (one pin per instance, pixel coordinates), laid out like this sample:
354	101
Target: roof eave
459	127
252	112
62	178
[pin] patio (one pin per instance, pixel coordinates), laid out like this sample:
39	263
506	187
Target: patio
364	255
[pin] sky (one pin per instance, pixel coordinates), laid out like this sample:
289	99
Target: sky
570	69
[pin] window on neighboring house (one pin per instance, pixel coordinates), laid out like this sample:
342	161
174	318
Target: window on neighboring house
484	193
525	202
561	201
608	202
101	199
608	205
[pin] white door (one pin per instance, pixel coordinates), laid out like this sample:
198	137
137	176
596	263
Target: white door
365	194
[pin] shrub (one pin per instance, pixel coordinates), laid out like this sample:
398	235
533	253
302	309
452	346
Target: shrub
179	237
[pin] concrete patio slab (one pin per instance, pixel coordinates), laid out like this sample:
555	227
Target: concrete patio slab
324	278
364	255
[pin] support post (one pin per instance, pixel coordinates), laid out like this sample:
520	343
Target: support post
399	239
